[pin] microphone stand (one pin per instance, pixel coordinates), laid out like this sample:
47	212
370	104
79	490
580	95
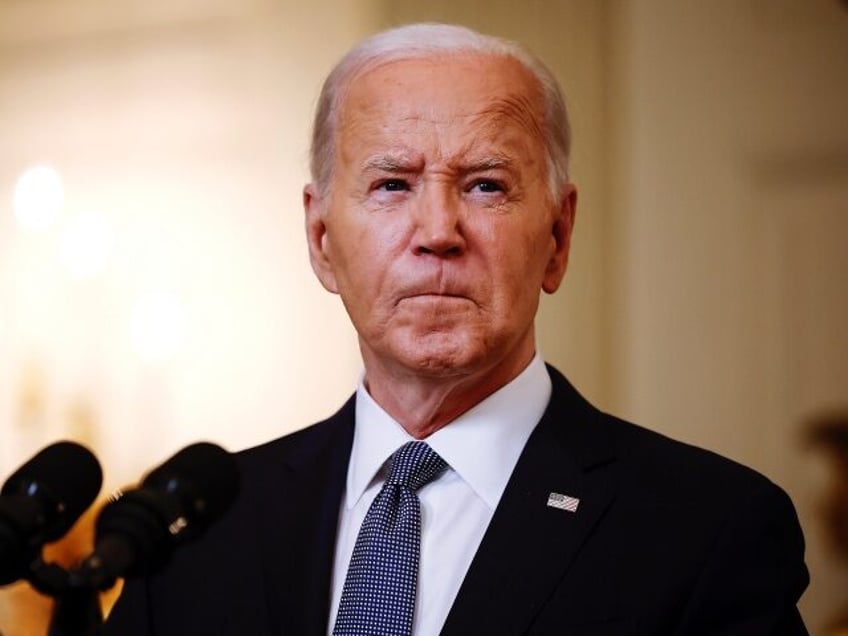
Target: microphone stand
76	608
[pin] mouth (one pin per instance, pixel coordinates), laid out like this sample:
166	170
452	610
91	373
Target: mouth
434	298
435	295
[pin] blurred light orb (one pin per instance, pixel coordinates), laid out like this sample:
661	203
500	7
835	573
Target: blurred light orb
87	245
158	326
39	198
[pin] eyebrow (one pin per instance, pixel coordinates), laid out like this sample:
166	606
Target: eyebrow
388	163
399	164
489	163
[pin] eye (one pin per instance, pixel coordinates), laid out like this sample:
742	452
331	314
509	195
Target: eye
393	185
487	186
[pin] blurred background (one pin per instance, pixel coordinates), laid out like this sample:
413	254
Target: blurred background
154	282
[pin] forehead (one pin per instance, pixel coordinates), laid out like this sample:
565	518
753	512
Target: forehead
463	99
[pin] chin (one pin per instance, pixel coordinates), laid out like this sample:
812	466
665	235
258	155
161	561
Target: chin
443	355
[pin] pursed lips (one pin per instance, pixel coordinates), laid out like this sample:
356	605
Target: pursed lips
435	296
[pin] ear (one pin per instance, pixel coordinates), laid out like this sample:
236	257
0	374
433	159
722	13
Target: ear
562	229
316	237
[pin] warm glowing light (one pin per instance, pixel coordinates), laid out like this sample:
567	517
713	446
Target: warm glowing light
87	245
39	198
158	326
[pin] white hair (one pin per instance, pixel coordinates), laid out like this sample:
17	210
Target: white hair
425	40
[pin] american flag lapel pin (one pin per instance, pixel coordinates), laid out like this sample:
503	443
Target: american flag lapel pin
563	502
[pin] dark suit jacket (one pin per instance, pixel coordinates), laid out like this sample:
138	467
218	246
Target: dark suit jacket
667	539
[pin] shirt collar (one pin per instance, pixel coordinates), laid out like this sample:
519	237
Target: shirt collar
482	445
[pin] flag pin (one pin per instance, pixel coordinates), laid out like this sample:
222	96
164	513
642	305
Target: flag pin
563	502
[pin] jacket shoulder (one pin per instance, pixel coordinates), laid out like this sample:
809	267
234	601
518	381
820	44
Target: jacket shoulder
299	447
647	460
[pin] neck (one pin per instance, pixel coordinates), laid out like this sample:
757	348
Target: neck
424	404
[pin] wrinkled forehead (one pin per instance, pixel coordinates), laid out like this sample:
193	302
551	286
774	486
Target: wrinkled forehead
489	93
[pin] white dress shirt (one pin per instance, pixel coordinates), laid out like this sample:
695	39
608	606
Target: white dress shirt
481	448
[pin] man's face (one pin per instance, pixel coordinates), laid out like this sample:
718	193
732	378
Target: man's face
438	230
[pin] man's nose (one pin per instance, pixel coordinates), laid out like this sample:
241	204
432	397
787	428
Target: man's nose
438	224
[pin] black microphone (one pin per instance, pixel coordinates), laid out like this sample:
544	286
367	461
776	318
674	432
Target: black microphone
137	533
41	501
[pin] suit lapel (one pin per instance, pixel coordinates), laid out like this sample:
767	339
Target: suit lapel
305	488
529	545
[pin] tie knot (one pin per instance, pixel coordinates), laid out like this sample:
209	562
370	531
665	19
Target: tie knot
415	464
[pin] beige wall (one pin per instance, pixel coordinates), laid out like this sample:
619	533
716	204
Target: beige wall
705	296
729	223
185	124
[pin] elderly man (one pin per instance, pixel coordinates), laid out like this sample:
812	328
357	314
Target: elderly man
467	488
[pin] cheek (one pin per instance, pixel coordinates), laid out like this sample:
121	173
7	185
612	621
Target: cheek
521	265
363	258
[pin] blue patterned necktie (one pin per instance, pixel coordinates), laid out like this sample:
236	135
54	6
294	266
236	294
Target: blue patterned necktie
378	598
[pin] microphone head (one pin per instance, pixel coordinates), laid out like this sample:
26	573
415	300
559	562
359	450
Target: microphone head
176	502
41	501
203	476
64	479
